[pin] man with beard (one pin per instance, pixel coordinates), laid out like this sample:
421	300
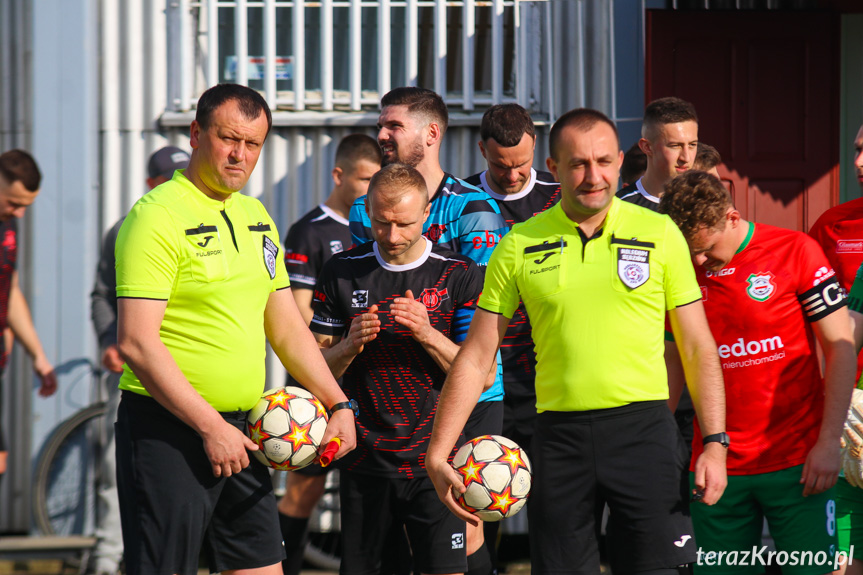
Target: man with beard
462	218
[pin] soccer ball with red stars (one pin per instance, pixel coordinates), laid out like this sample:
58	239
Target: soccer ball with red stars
288	425
496	472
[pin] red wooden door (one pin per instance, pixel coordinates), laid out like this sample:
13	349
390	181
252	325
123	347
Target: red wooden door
766	88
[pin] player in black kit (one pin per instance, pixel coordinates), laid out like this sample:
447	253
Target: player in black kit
508	142
388	316
310	242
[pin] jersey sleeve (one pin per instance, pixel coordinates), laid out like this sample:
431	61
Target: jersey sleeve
480	228
468	295
500	290
855	298
359	222
681	287
147	253
326	318
303	258
818	288
281	281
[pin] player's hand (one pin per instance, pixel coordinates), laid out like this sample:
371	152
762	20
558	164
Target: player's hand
447	482
47	376
710	473
228	448
343	426
821	468
111	359
364	328
410	313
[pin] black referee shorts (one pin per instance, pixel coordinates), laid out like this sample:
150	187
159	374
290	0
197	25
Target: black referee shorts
632	457
172	507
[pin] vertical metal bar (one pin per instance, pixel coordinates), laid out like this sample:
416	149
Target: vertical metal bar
440	47
212	42
411	42
467	61
582	56
611	61
549	63
241	43
522	84
299	36
497	52
384	47
327	54
270	52
185	59
356	24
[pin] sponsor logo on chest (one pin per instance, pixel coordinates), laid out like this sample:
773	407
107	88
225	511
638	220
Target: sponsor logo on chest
849	247
336	247
360	298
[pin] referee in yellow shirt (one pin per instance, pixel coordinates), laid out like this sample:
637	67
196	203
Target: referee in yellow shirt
597	276
200	290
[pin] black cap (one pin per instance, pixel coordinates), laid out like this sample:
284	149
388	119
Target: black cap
163	162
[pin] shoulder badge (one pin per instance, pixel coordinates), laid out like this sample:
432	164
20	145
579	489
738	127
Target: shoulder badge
270	252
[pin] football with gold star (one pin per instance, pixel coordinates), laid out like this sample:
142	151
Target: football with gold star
497	475
288	425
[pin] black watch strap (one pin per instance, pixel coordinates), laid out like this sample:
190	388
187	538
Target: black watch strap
352	405
721	438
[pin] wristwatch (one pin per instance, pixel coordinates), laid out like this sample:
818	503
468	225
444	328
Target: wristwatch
352	405
721	438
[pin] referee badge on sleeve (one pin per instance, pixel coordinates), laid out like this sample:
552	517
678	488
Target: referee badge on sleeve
270	252
633	266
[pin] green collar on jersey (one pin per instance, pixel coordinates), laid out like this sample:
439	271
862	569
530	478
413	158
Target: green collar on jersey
747	238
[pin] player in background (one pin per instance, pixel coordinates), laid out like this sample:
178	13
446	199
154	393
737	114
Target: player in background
707	159
508	143
388	316
633	166
840	232
669	140
19	185
108	552
462	218
310	242
770	294
597	276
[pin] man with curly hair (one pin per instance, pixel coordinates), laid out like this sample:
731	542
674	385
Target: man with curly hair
769	294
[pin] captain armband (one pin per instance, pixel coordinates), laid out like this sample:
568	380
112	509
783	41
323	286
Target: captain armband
823	299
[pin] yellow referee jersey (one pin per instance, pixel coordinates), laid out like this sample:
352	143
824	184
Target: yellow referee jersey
215	263
597	308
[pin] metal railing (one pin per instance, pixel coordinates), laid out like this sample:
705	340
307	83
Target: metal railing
491	51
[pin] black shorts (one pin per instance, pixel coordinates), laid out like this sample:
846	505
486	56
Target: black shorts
485	419
519	418
371	504
631	457
172	507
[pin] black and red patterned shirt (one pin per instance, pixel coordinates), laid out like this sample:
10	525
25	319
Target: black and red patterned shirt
394	380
